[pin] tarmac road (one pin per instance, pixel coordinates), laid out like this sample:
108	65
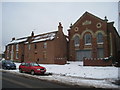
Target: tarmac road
10	80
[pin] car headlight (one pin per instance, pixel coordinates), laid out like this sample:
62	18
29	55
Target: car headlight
38	69
8	65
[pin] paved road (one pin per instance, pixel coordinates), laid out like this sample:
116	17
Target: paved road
15	81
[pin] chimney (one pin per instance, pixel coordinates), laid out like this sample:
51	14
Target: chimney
32	34
71	25
13	38
106	18
60	28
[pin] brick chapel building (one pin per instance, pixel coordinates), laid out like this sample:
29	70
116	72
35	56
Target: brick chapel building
92	40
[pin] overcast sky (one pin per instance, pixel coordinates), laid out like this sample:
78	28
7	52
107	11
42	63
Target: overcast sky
19	19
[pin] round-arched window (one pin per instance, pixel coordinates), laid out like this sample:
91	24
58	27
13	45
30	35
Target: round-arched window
76	41
87	39
100	38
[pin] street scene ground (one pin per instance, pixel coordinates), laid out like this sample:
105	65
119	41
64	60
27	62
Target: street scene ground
74	73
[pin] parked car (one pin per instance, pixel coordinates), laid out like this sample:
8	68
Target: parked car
32	68
8	64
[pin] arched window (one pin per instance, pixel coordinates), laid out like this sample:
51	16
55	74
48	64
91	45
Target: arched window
87	38
76	41
99	38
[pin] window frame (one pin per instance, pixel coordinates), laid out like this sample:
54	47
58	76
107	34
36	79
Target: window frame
29	46
45	45
99	39
85	39
76	41
17	47
8	48
17	55
8	52
44	55
35	46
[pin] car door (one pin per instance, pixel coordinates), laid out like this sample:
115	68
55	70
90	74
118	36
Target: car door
23	66
27	68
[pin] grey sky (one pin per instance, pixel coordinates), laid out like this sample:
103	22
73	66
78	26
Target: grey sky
19	19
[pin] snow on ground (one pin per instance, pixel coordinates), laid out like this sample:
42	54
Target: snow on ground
78	70
74	73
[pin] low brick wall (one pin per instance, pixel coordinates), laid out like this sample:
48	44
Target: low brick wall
60	61
96	62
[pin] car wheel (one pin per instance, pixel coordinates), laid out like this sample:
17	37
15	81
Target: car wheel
32	72
5	68
20	70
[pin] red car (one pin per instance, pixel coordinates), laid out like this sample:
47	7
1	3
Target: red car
32	68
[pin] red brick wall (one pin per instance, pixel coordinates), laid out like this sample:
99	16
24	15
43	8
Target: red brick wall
56	51
92	28
34	54
60	48
97	62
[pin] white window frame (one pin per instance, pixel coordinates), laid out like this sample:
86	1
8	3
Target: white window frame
8	54
76	43
29	46
12	52
17	55
99	40
44	55
17	47
8	48
88	43
45	45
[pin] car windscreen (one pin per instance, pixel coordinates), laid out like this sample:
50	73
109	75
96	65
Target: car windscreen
34	64
8	62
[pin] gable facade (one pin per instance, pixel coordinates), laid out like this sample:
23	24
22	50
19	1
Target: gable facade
92	37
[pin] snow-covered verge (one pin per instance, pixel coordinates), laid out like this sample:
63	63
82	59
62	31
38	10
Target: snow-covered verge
78	70
74	73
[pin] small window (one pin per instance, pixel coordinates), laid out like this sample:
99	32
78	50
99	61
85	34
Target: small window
17	55
99	38
8	54
29	46
98	25
8	48
87	39
45	45
12	47
17	47
76	29
76	41
35	46
44	55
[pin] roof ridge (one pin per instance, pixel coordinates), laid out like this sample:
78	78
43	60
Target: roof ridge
22	38
88	14
94	16
45	33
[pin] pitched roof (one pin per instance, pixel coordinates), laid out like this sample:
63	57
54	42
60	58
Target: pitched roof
44	37
87	13
19	40
36	38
